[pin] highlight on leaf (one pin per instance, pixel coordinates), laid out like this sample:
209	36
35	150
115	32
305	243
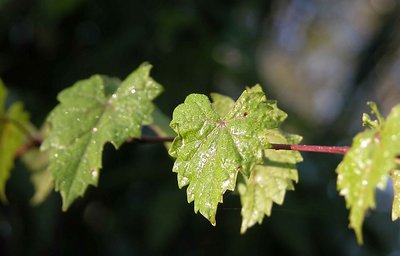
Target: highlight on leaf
367	164
91	113
216	141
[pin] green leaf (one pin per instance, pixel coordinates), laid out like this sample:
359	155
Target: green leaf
92	112
389	144
211	149
395	176
3	95
268	182
37	162
366	166
12	138
222	104
355	179
12	134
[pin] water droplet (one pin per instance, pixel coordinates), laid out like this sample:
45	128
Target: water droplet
94	129
344	191
184	180
133	90
114	96
95	173
365	182
365	143
225	184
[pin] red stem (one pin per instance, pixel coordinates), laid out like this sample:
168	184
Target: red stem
305	148
313	148
35	142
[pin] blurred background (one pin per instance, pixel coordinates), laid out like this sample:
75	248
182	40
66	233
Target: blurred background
321	59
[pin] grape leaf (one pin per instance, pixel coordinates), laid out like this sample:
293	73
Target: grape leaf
92	112
367	164
268	182
354	182
12	137
211	149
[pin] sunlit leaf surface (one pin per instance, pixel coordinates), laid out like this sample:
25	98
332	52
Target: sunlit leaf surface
367	164
92	112
210	148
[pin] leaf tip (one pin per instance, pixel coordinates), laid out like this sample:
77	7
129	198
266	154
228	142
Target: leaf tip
213	221
359	235
243	228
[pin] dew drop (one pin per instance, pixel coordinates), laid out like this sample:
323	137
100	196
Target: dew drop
364	182
114	96
344	192
225	184
95	173
365	143
133	90
94	129
184	180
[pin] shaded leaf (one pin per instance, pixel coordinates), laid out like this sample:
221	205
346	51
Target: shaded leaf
12	135
92	112
37	162
211	149
268	182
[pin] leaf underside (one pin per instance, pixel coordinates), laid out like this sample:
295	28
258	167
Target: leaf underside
92	112
214	143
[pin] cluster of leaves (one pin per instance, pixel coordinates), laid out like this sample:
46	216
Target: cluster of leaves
220	145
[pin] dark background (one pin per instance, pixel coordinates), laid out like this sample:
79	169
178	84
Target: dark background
321	59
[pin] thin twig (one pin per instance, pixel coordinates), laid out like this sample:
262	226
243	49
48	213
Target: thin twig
305	148
35	142
313	148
